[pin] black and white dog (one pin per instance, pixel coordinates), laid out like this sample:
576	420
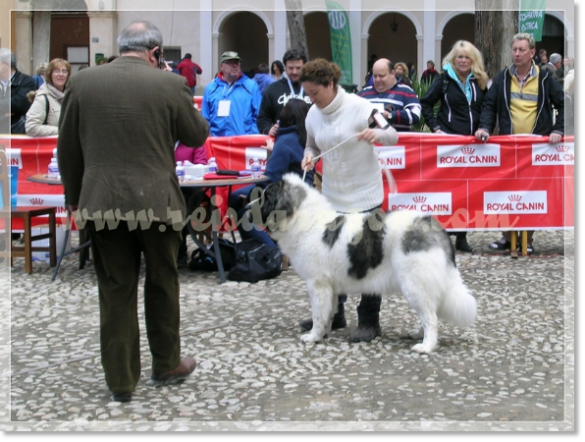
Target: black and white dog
403	252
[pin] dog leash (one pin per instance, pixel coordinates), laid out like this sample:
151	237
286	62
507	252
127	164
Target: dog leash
389	177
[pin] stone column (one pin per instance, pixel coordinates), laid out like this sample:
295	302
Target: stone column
280	27
420	64
41	38
23	47
429	32
102	34
205	45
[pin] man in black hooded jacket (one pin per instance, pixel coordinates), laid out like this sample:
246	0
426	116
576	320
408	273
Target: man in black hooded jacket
277	94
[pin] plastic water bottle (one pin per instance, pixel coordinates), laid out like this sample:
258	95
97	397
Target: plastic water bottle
256	168
180	171
212	165
53	171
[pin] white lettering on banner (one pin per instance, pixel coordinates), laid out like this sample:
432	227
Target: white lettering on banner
391	157
256	152
515	202
530	15
14	157
439	203
559	154
55	200
469	155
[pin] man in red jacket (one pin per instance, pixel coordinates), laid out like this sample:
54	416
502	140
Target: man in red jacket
188	69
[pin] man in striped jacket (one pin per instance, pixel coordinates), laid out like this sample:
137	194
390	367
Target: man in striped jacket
397	102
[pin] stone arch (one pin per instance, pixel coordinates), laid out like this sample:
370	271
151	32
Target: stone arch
245	35
388	10
226	14
448	18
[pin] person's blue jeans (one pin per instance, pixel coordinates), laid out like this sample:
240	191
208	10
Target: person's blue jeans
237	201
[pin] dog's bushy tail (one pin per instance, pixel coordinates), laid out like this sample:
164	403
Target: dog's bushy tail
458	305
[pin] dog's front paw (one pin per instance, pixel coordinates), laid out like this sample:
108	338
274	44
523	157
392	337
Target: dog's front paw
311	337
422	348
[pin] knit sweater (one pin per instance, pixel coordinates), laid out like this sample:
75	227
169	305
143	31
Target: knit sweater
351	173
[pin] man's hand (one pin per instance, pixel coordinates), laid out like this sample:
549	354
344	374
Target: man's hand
554	137
273	130
482	135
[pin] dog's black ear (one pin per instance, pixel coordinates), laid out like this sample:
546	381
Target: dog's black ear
269	199
278	199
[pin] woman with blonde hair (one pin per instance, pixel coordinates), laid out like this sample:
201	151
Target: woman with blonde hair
42	118
460	90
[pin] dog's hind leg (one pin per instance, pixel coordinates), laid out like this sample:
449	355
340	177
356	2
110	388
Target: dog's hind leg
420	297
323	305
430	327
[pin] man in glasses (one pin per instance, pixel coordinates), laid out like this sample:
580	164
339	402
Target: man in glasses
14	85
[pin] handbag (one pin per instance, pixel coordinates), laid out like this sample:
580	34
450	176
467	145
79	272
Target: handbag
255	261
200	260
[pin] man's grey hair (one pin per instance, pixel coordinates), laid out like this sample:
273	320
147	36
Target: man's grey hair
555	58
525	36
139	36
7	56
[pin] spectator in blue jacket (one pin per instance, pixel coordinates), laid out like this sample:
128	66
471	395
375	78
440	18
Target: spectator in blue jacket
263	77
287	154
232	100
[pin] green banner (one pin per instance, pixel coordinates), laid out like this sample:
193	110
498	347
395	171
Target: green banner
340	40
532	17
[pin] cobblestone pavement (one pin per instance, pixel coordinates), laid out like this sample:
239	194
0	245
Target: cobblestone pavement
513	370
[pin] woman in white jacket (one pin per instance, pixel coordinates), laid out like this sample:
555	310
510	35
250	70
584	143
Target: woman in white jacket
338	125
42	119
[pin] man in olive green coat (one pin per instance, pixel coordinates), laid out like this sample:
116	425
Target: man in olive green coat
118	127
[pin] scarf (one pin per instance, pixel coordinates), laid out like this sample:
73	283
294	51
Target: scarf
466	86
56	93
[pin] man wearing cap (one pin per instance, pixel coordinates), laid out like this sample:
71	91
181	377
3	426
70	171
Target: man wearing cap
232	100
557	62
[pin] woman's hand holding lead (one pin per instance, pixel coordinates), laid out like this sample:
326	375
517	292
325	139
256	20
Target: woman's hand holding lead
307	163
368	135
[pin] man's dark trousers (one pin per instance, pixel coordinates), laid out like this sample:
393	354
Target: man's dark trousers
117	257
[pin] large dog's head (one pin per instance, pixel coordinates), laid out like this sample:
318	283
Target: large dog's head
279	202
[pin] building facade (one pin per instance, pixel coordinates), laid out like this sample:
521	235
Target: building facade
83	31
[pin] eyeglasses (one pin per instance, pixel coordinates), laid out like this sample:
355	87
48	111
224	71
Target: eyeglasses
62	71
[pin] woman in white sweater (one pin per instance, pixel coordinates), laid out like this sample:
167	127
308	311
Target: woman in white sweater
42	118
352	178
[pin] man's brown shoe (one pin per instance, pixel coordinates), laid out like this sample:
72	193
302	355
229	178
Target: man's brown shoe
177	375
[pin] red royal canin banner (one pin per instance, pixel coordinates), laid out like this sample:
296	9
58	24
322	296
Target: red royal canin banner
509	182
